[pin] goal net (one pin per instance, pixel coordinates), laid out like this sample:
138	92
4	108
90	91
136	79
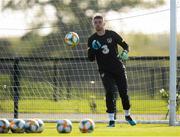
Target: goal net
41	77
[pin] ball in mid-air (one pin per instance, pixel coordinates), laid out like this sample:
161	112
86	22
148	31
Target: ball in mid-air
17	126
86	126
4	126
71	39
64	126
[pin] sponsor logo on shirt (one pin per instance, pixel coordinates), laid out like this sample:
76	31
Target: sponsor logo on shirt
96	44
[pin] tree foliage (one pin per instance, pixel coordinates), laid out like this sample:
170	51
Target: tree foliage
70	15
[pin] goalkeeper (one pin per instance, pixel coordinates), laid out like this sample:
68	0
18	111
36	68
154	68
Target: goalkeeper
102	47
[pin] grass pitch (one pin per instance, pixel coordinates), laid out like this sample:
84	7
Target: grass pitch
65	106
101	130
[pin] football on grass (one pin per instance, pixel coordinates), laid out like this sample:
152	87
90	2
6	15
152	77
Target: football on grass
31	126
17	126
4	126
86	126
64	126
41	125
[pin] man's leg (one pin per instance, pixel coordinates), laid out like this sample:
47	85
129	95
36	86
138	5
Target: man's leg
109	85
121	81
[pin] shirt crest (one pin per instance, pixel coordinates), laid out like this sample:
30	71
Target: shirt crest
109	40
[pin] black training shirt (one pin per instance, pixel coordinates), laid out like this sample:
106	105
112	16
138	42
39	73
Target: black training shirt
105	50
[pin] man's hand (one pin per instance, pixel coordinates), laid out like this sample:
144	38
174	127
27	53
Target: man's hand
123	56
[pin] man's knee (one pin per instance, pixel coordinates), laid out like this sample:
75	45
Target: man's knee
113	95
123	94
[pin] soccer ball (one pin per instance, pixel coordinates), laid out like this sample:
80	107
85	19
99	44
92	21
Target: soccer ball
41	126
71	39
17	126
86	126
4	126
64	126
31	126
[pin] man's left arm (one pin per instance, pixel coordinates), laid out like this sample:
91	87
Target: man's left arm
124	45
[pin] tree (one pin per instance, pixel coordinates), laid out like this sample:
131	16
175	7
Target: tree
70	15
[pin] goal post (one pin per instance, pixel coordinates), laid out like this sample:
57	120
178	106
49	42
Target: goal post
173	61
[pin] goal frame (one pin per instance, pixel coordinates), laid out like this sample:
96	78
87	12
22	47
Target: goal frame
173	66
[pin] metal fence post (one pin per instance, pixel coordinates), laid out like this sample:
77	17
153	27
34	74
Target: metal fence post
152	83
16	87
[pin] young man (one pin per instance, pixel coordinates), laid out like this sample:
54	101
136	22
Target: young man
102	47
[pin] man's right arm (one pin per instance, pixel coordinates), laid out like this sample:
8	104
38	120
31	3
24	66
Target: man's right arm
91	53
